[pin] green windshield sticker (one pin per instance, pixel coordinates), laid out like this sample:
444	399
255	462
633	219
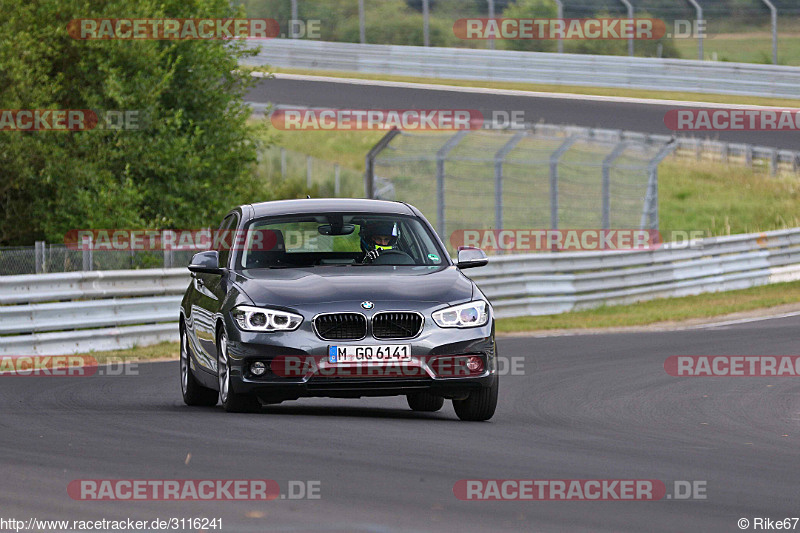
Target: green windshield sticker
433	257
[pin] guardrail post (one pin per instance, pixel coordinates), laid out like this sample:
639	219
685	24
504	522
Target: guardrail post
369	174
554	158
699	10
39	251
607	162
499	157
451	143
336	184
283	162
649	218
774	19
309	170
630	16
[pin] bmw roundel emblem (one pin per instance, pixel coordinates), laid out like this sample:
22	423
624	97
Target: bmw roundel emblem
367	305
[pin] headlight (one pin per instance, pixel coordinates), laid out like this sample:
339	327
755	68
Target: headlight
257	319
467	315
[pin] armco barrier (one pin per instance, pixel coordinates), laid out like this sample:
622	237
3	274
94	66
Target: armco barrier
83	311
533	67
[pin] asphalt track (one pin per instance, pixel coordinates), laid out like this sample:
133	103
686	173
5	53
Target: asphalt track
622	114
586	407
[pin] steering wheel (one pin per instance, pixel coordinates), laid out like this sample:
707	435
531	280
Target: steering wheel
393	257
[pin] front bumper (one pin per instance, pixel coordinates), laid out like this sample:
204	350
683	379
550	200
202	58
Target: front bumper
297	363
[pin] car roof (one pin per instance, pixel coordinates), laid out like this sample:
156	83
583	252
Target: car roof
327	205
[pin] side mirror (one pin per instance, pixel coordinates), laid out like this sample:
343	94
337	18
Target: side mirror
206	263
471	258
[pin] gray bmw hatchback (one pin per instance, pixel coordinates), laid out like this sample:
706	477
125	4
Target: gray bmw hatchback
340	298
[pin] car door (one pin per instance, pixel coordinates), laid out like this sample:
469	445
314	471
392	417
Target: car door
208	295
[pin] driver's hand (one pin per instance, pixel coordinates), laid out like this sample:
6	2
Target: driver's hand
372	255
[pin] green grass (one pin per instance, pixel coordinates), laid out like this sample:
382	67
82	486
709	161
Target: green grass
744	48
566	89
725	199
164	350
660	310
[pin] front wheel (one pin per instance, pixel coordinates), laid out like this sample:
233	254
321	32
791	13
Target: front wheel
193	393
232	402
479	405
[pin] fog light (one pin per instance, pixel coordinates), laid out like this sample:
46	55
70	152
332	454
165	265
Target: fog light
258	368
475	364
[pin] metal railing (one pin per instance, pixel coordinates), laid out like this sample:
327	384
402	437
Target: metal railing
83	311
472	179
533	67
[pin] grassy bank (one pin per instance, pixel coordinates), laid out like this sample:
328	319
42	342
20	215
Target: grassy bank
661	310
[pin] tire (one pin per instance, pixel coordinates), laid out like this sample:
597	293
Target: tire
232	402
424	402
193	393
479	405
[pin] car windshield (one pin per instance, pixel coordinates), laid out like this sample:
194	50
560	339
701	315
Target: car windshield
338	239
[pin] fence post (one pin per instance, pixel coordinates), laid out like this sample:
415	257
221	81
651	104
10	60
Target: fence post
283	163
630	16
336	182
499	158
362	23
87	254
165	238
699	11
773	162
649	218
39	251
369	174
560	15
426	23
554	158
309	165
451	143
774	19
292	23
607	162
491	16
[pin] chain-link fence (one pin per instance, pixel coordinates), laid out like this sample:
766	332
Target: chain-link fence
771	24
47	258
544	177
328	178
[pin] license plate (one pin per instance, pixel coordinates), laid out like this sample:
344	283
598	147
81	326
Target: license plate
381	354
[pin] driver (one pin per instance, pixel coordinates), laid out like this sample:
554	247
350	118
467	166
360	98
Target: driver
377	237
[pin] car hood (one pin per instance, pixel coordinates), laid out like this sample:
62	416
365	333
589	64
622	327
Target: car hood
308	286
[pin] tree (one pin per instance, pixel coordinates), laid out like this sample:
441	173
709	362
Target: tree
189	163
